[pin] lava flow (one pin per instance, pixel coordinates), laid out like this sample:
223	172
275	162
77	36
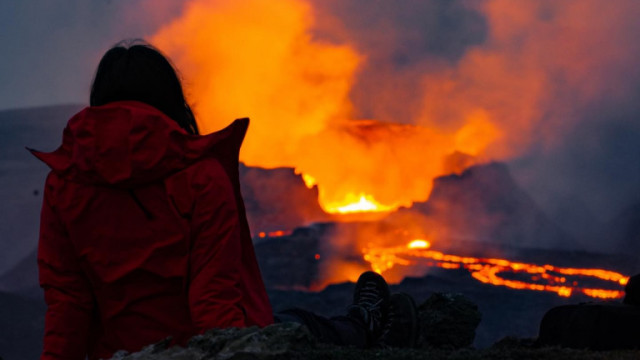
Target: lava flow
487	270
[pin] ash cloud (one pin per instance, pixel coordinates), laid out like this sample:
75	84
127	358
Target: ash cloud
559	78
401	39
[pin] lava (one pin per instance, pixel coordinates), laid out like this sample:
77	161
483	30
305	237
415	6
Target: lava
487	270
301	76
272	234
358	203
357	122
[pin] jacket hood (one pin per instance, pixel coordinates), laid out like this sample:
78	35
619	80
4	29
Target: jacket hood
129	143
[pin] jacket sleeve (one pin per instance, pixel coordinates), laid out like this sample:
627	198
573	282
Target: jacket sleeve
67	291
215	257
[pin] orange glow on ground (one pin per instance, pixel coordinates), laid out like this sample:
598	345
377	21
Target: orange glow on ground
277	233
487	270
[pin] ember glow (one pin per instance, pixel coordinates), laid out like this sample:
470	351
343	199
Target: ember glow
272	234
562	281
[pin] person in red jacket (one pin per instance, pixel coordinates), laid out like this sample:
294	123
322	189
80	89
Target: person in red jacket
143	229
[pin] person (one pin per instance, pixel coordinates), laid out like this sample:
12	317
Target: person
143	229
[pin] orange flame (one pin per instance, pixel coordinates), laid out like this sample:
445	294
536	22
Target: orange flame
419	244
364	203
262	59
259	59
487	270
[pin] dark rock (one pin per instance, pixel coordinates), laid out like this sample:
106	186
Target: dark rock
278	199
288	262
271	342
447	321
622	233
485	203
632	291
514	342
595	326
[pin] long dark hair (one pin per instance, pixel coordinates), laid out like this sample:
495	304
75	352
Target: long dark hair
135	70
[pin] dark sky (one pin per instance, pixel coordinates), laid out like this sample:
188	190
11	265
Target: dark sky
50	48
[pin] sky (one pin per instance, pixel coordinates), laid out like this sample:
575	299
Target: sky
560	78
51	48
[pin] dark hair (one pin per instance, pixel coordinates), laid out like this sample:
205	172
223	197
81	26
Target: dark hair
134	70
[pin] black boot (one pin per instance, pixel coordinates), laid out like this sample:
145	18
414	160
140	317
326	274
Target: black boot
370	303
400	328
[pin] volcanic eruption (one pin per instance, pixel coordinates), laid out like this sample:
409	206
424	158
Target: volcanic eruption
368	122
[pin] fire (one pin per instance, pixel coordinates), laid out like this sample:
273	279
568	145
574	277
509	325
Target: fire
419	244
302	81
309	180
262	59
488	270
364	203
320	102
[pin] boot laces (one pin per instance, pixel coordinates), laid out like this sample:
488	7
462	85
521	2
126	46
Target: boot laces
370	300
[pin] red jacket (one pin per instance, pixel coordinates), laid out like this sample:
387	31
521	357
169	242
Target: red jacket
143	234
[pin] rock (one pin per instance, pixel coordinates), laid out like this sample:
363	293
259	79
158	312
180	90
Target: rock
632	291
447	321
595	326
265	343
271	342
515	343
485	202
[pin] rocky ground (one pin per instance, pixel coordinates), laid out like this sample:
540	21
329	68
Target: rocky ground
270	344
447	329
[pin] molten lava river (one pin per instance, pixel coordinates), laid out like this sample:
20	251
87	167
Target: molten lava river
560	280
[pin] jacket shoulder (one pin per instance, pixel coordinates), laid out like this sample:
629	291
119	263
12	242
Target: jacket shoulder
201	178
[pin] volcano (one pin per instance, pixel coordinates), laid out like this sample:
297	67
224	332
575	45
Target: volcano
485	203
307	255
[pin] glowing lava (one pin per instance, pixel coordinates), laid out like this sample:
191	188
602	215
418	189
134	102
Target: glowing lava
357	203
272	234
487	270
419	244
352	203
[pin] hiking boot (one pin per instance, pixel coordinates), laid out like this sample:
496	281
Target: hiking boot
370	301
400	328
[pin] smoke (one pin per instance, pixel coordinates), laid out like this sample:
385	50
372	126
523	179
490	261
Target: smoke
557	82
378	98
276	63
403	41
548	86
